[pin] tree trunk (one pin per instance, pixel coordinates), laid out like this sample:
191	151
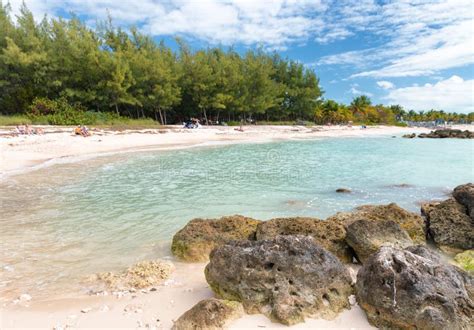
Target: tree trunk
205	117
117	109
161	116
164	116
143	113
156	115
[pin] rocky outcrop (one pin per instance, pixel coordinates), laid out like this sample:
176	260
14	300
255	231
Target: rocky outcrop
464	194
197	239
329	235
366	237
409	136
399	289
209	314
412	223
449	226
285	278
465	260
448	133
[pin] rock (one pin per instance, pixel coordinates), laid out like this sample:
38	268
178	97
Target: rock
86	310
142	275
412	223
366	237
285	278
465	260
197	239
399	289
448	133
464	194
209	314
343	190
409	136
427	207
330	235
425	252
449	226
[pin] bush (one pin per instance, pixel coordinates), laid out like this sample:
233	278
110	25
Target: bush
59	112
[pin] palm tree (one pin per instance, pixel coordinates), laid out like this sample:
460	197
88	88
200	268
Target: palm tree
359	105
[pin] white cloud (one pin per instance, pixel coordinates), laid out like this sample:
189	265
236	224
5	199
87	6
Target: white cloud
418	38
385	84
356	91
274	24
453	94
400	38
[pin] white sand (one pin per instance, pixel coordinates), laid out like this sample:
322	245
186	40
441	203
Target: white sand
60	145
187	285
157	309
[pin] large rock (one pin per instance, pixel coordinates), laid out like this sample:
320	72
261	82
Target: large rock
366	237
328	234
412	223
197	239
399	289
209	314
464	194
449	226
285	278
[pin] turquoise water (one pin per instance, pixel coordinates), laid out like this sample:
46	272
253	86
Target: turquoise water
67	221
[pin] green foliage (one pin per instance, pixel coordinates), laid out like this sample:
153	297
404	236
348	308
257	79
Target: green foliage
14	120
59	112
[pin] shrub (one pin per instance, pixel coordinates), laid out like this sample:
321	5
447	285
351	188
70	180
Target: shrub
59	112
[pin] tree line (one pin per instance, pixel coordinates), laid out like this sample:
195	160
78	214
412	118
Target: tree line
127	73
362	110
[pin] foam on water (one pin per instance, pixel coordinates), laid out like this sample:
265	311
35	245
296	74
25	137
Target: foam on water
62	223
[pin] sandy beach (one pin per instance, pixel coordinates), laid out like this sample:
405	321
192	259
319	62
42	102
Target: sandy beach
58	144
149	309
186	286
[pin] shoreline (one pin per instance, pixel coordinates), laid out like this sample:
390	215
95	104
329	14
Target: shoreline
187	284
20	154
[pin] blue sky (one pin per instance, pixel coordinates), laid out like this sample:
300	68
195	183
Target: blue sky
419	53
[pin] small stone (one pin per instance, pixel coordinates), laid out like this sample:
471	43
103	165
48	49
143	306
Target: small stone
153	289
343	191
86	310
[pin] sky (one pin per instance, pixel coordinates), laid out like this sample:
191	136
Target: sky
416	53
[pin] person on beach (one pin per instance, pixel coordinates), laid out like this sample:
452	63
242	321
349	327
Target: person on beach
85	131
77	130
20	129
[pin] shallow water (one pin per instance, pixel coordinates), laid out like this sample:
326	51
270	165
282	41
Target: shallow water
64	222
